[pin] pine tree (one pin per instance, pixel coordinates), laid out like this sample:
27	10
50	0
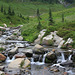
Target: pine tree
50	17
39	26
9	11
38	16
62	17
4	12
13	13
2	8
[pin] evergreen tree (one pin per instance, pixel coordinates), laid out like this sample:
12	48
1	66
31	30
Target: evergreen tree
38	14
2	8
4	12
38	17
50	17
13	13
62	17
39	26
9	11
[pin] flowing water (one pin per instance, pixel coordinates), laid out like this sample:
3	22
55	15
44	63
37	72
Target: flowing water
38	62
37	68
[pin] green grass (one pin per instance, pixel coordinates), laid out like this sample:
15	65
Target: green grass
65	29
29	29
29	8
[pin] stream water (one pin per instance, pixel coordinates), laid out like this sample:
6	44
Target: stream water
37	68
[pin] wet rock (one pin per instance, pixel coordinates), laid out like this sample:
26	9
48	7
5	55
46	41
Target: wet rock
19	45
38	49
37	46
68	53
13	51
27	52
51	57
36	57
15	64
73	57
20	55
2	73
1	67
26	63
2	57
12	37
20	38
67	63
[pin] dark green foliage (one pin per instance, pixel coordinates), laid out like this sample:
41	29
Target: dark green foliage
22	63
39	26
1	49
2	8
9	11
5	12
13	13
50	17
62	17
38	15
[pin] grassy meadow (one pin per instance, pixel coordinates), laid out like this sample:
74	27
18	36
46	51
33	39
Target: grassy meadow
29	30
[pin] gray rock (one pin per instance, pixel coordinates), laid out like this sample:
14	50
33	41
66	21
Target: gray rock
13	51
67	63
2	73
20	38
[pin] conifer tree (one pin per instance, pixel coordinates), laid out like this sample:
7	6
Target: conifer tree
2	8
13	13
4	12
38	17
50	17
9	11
38	14
62	17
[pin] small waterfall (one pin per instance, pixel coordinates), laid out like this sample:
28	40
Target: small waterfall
44	58
63	57
69	58
39	63
8	60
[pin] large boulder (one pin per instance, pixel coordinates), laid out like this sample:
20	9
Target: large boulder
38	49
37	41
13	51
47	40
51	57
19	63
37	46
2	57
27	52
20	55
26	63
15	64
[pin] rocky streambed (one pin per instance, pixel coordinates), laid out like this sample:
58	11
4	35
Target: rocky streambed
18	57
